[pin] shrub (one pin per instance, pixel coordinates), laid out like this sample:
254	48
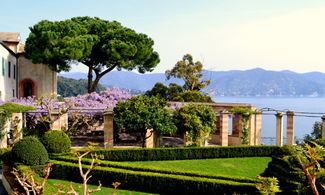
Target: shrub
56	141
134	167
30	151
183	153
193	96
320	142
152	182
197	120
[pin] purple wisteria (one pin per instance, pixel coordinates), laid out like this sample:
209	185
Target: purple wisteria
103	100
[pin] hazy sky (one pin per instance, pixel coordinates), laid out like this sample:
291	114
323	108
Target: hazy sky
223	34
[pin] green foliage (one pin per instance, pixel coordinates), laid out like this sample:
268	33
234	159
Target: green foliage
167	93
287	169
10	108
190	72
99	44
6	111
245	116
183	153
320	142
56	141
156	169
175	92
197	120
30	151
68	87
139	114
315	134
192	96
153	182
268	185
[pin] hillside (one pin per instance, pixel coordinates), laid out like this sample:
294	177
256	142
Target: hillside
71	87
254	82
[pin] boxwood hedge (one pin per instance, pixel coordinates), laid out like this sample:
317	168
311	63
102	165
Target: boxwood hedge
152	182
183	153
134	167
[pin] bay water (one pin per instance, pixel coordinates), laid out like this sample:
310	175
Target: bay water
302	124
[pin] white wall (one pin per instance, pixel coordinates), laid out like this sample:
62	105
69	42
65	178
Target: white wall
7	85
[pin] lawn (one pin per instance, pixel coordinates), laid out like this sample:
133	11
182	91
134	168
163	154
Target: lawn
52	189
248	166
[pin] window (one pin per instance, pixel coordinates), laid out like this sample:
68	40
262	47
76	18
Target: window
14	71
3	66
13	93
9	69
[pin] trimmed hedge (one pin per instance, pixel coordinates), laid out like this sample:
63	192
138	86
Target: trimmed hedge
134	167
30	151
184	153
286	168
152	182
56	141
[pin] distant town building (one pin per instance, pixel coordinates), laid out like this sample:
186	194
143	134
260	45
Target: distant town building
19	77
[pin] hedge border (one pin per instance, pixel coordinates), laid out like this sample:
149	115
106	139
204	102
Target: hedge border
185	153
127	166
152	182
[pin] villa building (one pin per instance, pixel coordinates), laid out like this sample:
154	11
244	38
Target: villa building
19	77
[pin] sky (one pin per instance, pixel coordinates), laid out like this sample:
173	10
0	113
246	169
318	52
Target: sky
222	34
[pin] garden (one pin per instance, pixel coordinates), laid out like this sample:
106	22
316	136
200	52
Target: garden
43	162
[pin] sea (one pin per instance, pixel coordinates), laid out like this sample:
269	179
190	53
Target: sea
309	110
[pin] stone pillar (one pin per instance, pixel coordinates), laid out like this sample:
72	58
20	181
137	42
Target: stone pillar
290	127
258	128
60	122
5	131
224	129
17	124
108	129
153	139
252	129
323	126
186	139
279	129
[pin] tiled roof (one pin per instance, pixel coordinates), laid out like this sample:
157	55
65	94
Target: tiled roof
10	36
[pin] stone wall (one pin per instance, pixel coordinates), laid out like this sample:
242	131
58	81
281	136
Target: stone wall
44	79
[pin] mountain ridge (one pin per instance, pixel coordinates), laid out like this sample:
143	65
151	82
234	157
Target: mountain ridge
252	82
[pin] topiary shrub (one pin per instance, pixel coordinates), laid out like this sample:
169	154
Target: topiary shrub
56	141
30	151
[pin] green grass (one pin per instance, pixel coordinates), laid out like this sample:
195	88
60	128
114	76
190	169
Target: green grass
248	166
52	189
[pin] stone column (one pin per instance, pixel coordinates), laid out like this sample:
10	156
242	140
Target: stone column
224	129
215	136
323	126
252	129
17	121
279	129
5	131
290	127
108	129
258	128
60	122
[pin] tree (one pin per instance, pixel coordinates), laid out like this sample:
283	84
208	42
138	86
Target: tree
197	120
309	158
315	134
99	44
141	113
190	72
167	93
